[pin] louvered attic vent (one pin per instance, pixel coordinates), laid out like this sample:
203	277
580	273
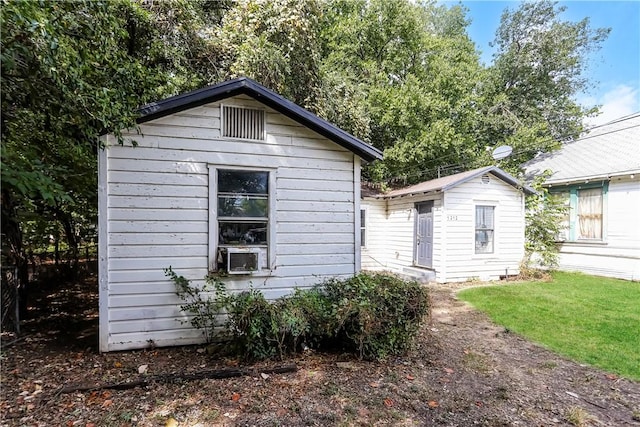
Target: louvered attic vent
485	178
243	123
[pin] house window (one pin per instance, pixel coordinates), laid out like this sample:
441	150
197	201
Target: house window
589	213
243	219
584	215
485	216
242	123
363	227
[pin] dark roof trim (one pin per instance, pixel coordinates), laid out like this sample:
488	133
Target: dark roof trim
451	181
246	86
494	170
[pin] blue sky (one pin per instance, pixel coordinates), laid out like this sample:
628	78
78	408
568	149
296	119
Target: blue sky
615	69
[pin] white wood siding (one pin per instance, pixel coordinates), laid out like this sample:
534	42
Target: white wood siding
391	232
374	254
462	263
155	197
619	254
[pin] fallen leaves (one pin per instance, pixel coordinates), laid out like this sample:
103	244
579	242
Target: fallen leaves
326	385
103	399
347	365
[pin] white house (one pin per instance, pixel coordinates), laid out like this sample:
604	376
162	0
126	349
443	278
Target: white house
598	176
457	228
231	178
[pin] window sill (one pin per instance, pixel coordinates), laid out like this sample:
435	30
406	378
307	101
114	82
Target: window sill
485	256
227	276
583	242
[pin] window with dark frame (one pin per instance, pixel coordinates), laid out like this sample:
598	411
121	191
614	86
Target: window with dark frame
484	230
243	214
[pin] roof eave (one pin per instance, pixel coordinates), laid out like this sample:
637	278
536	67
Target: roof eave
271	99
587	178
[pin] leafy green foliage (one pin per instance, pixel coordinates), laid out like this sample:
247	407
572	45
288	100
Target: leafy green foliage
276	43
543	218
67	76
70	72
253	322
415	70
205	310
374	315
538	70
401	75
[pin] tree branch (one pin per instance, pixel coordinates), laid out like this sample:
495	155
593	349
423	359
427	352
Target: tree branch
171	378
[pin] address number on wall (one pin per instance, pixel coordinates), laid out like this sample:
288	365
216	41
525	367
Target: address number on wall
452	217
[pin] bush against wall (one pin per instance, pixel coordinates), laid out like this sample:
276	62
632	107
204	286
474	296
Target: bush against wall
372	315
544	220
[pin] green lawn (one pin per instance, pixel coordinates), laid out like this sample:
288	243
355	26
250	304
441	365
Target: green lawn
592	320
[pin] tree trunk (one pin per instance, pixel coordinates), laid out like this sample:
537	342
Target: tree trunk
72	241
12	239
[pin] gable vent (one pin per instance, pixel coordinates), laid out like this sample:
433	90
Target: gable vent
485	178
243	123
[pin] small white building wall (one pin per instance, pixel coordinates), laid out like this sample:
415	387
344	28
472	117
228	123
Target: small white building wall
155	197
462	263
619	254
374	253
391	233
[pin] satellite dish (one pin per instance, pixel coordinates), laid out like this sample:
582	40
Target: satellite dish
501	152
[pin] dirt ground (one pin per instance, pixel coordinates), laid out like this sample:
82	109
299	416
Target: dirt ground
463	371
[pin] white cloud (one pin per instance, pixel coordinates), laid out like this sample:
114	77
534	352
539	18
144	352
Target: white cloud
620	101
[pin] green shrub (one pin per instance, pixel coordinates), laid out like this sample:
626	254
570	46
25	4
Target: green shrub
374	315
197	301
316	309
253	323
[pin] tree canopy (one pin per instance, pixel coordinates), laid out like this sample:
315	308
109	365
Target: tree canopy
402	75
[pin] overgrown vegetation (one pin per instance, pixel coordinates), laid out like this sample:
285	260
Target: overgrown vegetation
590	319
204	304
544	215
402	75
372	315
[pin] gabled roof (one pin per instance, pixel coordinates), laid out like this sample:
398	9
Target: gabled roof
451	181
246	86
610	150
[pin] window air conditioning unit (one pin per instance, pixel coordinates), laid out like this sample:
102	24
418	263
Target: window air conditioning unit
243	260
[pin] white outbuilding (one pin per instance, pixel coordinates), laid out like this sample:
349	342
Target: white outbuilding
231	179
468	226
